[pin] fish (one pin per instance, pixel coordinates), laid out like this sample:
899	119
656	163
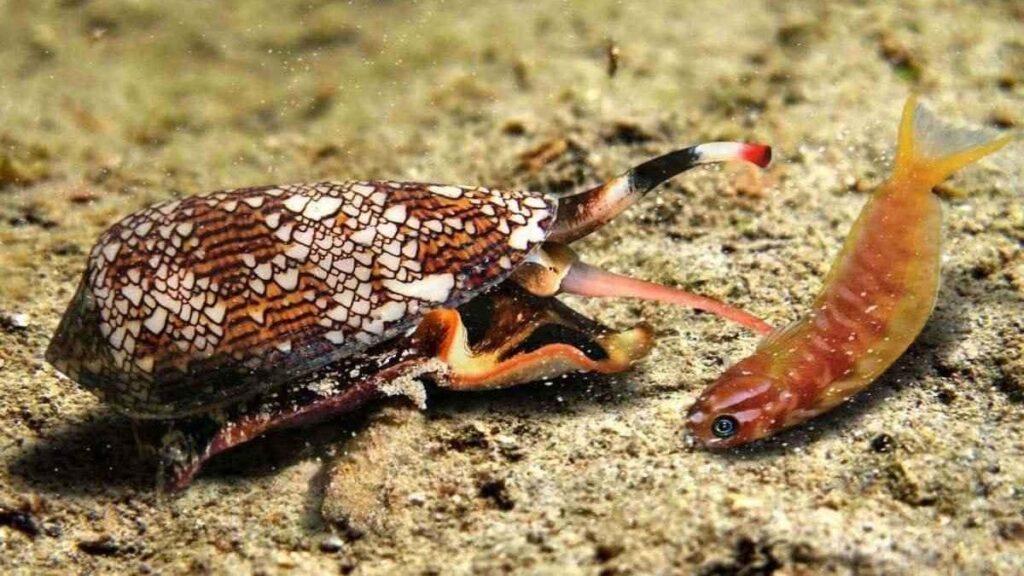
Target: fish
875	300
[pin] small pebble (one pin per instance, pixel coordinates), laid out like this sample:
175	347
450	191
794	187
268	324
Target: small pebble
102	546
20	520
331	544
883	443
13	321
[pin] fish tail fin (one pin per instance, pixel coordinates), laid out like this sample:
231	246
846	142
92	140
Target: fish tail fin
931	150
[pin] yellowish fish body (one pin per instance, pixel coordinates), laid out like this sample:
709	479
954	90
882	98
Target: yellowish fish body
876	298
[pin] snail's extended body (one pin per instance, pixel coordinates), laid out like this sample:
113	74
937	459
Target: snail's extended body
874	302
500	338
220	310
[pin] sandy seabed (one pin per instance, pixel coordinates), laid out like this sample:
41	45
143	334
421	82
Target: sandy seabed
109	105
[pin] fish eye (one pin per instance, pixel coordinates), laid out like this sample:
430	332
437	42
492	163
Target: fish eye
725	427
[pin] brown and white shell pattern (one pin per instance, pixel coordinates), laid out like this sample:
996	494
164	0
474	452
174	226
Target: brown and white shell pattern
193	303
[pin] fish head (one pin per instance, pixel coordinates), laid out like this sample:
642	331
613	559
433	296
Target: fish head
742	406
